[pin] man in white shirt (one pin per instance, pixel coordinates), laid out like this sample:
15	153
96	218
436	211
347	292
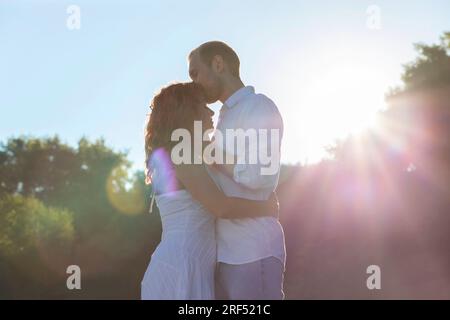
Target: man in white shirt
250	252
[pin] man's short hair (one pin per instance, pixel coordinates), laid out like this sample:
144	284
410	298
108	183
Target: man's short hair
209	50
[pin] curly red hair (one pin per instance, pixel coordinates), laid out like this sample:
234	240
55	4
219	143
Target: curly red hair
173	107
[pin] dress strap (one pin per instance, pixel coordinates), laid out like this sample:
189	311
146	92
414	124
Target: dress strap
152	202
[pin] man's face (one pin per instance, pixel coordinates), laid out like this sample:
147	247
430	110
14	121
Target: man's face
205	76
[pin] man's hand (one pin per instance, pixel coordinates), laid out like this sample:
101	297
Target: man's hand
274	205
226	169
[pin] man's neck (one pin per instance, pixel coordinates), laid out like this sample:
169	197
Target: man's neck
231	87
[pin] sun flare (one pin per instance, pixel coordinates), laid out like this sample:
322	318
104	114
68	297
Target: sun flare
341	101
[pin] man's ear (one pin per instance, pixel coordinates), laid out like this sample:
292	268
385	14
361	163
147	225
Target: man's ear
218	64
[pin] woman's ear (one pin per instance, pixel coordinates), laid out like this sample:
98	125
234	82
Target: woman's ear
218	64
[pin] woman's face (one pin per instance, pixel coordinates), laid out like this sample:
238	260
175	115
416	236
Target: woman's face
207	114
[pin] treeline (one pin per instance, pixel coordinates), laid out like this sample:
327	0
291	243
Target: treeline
60	206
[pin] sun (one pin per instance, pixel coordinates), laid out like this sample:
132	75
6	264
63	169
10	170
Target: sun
340	101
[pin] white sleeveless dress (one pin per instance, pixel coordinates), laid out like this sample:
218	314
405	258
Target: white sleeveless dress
182	266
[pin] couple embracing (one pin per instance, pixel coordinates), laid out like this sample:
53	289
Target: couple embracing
221	238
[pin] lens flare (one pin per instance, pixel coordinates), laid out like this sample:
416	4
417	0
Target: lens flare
162	172
124	193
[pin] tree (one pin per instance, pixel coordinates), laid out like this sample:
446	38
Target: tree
430	69
418	116
26	223
62	205
74	178
35	167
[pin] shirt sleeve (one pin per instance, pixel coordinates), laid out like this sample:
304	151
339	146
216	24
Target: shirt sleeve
265	118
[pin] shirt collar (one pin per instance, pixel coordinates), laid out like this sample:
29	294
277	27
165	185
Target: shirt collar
240	94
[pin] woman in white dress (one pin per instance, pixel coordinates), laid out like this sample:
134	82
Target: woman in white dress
182	266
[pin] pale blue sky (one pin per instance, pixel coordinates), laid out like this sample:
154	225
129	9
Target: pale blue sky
97	81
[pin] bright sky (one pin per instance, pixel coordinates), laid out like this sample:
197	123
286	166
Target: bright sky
321	63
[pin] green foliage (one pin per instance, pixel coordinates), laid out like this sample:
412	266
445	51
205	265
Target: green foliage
430	69
26	223
78	179
35	167
62	205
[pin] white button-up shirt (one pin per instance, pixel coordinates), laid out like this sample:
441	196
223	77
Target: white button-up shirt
247	240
